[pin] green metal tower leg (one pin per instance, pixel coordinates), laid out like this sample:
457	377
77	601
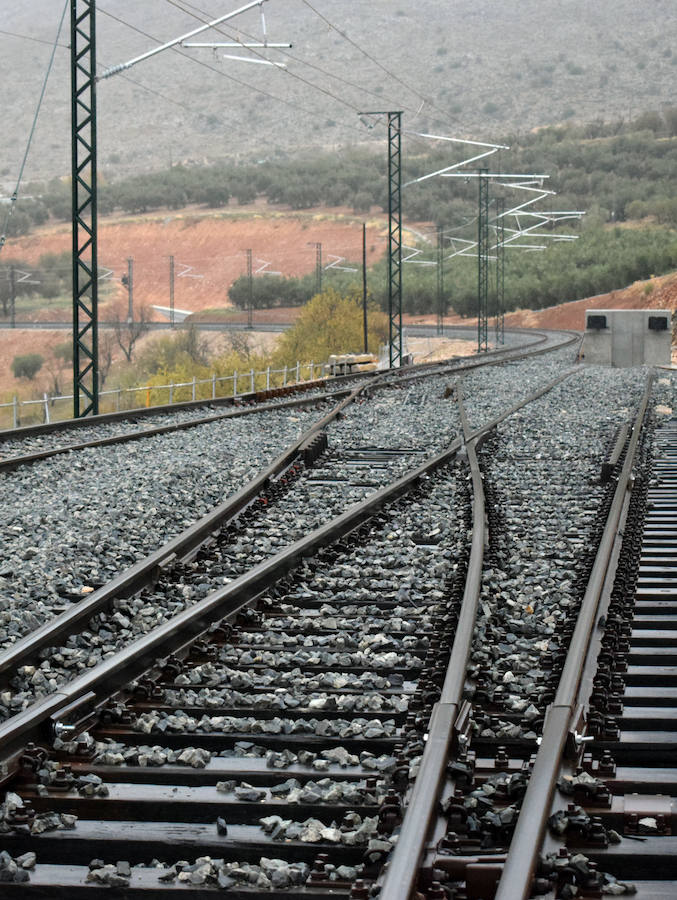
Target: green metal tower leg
250	292
85	271
500	271
483	263
441	303
395	236
318	268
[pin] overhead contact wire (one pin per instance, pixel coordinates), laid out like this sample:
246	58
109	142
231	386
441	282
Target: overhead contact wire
15	195
187	7
205	65
375	61
295	75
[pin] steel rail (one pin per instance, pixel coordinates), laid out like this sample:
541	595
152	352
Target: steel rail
517	875
13	462
142	412
109	676
144	572
403	868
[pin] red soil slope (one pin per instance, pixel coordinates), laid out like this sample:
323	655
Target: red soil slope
209	251
656	293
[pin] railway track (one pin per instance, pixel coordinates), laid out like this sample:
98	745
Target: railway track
266	738
335	667
30	444
610	821
295	493
63	517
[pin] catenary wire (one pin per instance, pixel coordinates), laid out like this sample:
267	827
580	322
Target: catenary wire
15	195
376	62
28	37
294	75
205	65
188	7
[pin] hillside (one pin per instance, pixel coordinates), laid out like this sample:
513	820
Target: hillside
209	251
656	293
472	68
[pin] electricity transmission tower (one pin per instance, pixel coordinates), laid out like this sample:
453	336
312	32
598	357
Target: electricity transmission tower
394	234
84	193
250	292
318	265
483	263
171	291
395	237
84	190
500	270
441	302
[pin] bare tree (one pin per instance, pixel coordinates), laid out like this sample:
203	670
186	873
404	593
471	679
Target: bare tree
128	332
106	344
238	342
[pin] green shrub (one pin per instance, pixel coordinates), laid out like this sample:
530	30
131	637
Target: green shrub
27	366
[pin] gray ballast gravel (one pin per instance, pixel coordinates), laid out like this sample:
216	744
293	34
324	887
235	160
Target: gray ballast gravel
73	522
545	467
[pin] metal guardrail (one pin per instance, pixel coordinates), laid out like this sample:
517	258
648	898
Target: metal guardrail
216	386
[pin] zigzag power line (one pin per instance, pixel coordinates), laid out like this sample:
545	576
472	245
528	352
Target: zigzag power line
518	182
543	218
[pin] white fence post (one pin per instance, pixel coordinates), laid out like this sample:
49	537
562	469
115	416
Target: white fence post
214	386
284	382
15	411
234	384
251	381
268	378
298	371
46	402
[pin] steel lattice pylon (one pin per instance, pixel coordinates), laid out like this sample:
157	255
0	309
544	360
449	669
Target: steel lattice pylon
483	263
500	271
395	237
250	291
318	268
85	271
441	301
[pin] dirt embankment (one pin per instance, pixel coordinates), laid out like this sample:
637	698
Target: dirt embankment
209	250
655	293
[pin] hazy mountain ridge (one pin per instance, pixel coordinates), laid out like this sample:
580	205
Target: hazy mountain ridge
486	68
